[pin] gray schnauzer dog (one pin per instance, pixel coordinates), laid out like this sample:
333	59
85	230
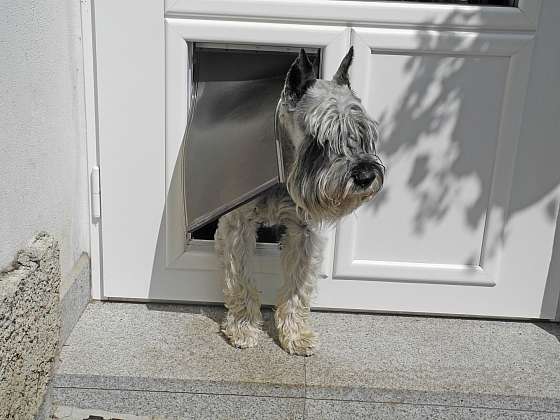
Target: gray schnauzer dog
332	168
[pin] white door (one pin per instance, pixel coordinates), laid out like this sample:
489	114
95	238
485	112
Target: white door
457	228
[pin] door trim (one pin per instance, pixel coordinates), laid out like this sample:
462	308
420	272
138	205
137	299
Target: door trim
334	40
524	17
92	158
516	47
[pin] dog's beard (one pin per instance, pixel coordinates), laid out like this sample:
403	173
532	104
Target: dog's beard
328	193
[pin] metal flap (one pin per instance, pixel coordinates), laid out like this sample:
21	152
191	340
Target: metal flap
231	154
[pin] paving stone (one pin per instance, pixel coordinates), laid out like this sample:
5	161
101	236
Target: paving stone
383	359
486	363
172	348
340	410
166	405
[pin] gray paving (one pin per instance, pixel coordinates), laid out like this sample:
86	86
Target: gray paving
172	348
340	410
181	405
486	363
173	358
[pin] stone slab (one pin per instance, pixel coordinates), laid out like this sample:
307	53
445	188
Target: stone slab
407	360
354	410
486	363
167	405
176	348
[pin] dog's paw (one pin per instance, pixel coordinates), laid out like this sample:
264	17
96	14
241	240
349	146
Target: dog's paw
242	337
302	343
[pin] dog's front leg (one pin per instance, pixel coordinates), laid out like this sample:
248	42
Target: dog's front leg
301	257
235	244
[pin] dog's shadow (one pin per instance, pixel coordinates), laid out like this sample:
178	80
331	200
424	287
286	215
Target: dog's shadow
217	313
269	327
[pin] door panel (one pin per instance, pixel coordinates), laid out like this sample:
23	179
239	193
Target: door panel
450	106
130	77
448	140
143	98
439	145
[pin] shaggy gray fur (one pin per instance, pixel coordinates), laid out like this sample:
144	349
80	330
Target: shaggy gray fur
328	141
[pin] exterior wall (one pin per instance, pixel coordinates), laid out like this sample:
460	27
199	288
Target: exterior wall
43	187
43	182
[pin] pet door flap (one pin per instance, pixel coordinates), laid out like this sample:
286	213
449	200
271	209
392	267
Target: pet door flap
231	155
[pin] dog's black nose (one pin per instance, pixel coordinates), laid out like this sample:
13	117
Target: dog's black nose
363	174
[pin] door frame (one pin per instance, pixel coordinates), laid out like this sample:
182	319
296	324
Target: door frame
199	254
92	159
524	17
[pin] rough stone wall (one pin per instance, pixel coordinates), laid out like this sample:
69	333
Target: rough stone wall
29	327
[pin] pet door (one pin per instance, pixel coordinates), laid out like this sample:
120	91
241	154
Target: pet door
231	153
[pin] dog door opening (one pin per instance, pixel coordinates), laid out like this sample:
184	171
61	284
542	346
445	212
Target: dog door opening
267	235
230	149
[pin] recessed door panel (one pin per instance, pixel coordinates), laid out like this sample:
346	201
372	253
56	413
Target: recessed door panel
444	103
439	117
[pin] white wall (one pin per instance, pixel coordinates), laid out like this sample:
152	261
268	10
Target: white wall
43	183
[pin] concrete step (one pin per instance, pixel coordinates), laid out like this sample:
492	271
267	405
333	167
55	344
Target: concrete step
171	361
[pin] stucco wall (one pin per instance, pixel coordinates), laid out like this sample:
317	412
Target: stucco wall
43	183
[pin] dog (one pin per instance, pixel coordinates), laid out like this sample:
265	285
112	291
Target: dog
328	142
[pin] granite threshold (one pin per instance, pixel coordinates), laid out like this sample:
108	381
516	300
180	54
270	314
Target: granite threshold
168	360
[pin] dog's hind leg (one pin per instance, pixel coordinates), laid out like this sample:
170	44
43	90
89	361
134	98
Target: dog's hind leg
235	243
301	258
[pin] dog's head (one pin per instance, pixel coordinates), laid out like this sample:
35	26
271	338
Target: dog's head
333	166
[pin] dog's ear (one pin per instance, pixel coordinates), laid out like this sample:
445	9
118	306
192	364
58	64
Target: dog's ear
341	75
300	77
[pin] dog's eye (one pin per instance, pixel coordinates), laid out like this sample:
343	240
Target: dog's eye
323	143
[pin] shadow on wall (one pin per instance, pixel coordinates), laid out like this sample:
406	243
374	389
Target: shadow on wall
440	139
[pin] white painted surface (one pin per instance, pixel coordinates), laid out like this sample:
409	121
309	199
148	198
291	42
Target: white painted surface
450	106
432	221
144	255
432	275
536	193
90	105
131	130
375	13
43	182
495	266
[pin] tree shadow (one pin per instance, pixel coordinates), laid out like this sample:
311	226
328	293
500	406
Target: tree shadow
434	123
440	140
216	313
